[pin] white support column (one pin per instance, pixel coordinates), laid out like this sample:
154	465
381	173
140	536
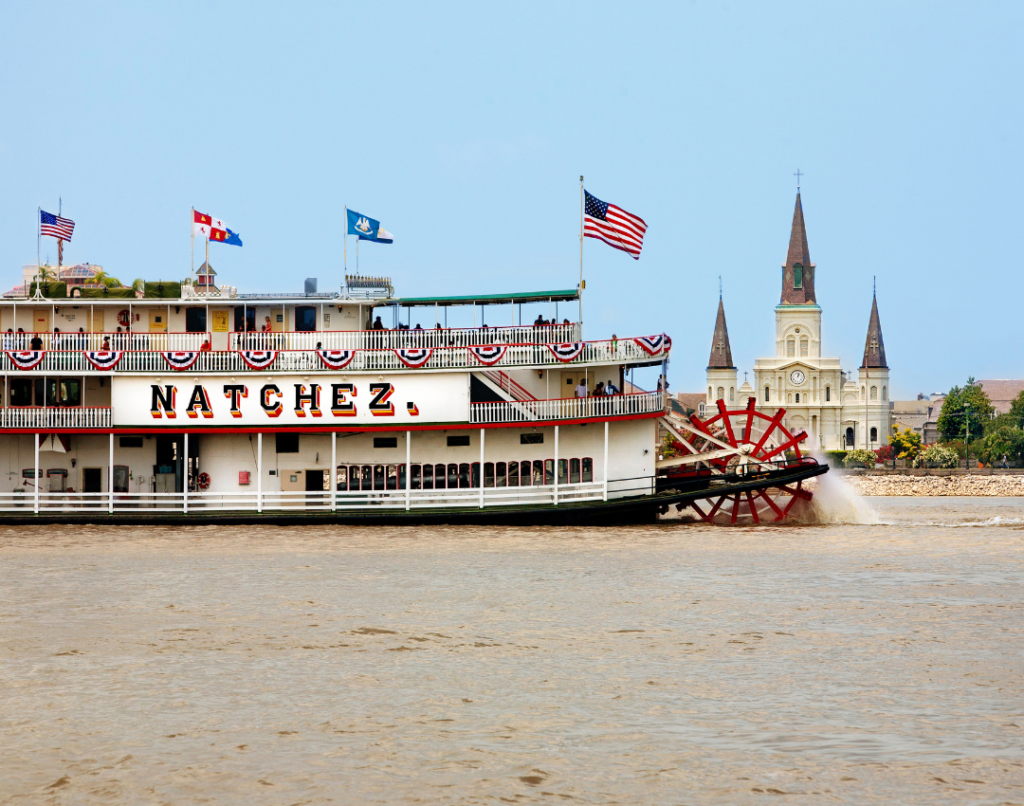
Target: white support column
259	472
556	465
482	434
110	477
184	485
35	504
334	462
605	460
408	470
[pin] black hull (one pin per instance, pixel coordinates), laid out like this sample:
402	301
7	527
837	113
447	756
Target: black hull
639	509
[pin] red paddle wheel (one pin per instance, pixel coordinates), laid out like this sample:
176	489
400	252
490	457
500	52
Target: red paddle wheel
740	445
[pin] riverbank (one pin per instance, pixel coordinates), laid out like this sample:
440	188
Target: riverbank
959	485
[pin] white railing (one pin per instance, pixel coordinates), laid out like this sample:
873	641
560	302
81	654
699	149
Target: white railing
522	411
274	501
516	356
70	342
56	417
400	339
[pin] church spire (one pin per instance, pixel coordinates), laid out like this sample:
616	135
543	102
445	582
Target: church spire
721	352
874	347
798	271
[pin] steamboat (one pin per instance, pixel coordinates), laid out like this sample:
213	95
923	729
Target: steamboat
193	403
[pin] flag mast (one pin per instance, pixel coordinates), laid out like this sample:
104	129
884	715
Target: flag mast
580	292
192	252
345	239
39	236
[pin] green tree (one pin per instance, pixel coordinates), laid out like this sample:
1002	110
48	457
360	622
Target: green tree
1017	410
966	408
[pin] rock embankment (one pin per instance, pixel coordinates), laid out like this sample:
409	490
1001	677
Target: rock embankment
938	485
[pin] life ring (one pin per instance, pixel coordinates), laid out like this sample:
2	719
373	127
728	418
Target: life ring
123	318
203	481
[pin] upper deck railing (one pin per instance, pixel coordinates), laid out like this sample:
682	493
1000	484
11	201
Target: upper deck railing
525	411
362	360
403	339
106	341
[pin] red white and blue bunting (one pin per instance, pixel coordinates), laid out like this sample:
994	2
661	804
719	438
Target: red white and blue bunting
26	359
336	359
488	354
653	345
104	359
258	359
180	360
567	352
414	357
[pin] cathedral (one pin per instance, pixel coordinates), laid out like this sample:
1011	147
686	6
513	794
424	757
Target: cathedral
837	411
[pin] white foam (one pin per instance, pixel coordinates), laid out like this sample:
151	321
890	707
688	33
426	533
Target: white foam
835	501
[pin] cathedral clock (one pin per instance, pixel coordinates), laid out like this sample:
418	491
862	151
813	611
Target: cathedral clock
797	377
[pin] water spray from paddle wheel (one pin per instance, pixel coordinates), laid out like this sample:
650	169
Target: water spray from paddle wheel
742	446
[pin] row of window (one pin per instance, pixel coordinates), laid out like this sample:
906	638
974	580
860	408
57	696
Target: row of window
289	443
791	347
465	475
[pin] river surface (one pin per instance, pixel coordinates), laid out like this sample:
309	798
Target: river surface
678	664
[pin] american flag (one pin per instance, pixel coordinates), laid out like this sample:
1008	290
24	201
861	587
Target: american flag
613	225
54	225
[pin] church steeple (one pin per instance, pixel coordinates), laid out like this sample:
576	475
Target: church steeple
798	271
874	347
721	352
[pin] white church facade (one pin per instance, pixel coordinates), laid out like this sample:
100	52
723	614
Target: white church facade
837	412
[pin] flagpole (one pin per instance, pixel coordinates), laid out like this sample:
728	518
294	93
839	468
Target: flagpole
192	253
208	258
345	247
60	241
39	227
581	258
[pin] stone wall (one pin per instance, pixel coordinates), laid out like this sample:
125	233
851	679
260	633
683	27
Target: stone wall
1002	485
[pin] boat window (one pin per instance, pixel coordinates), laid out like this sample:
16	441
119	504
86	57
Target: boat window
21	391
513	474
195	320
385	442
475	477
588	469
549	471
463	475
563	471
439	477
459	441
488	474
378	477
367	477
531	439
525	474
342	480
305	318
574	471
500	472
287	443
538	473
120	478
428	477
392	477
416	479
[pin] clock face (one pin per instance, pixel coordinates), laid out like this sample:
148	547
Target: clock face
797	377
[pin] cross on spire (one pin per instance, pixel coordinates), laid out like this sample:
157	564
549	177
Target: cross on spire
798	174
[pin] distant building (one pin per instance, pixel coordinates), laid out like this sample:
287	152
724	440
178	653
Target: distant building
1002	393
836	411
78	275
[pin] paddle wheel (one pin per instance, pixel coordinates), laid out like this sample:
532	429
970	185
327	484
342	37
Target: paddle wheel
738	448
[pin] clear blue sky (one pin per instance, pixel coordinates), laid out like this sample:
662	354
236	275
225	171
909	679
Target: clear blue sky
464	129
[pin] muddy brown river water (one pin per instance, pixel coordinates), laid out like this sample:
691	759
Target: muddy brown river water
842	663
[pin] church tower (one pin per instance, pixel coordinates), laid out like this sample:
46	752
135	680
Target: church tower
873	380
721	370
797	316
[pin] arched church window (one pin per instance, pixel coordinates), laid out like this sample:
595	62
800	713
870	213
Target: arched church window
874	435
791	347
721	393
885	393
803	347
789	398
732	394
767	394
797	397
828	394
863	393
874	393
798	276
849	438
710	393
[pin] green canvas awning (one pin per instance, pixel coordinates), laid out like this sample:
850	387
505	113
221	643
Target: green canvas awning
489	299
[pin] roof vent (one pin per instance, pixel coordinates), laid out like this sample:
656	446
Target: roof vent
311	285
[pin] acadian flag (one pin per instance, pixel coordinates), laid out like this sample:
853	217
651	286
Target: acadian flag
213	228
367	229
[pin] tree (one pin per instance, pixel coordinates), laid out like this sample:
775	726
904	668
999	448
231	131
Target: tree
963	409
1017	410
906	444
1004	441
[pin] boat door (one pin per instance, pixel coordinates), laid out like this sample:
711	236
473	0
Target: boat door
92	480
292	481
96	321
569	381
41	320
157	320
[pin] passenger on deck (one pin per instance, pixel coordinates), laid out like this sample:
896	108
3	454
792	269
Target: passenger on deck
581	388
37	343
599	389
9	339
611	389
266	324
106	344
539	322
205	348
377	324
